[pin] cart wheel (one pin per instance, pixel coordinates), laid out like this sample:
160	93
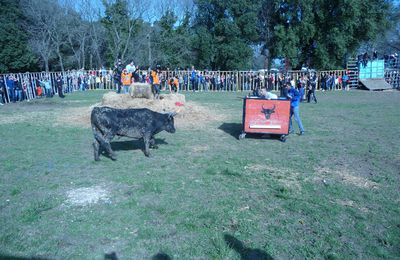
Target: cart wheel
242	136
283	138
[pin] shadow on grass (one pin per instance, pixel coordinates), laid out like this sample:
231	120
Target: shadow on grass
245	252
129	145
132	144
111	256
234	129
161	256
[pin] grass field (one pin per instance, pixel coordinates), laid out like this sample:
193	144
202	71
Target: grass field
333	193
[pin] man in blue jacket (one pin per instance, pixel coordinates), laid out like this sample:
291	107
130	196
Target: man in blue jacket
10	86
294	96
193	79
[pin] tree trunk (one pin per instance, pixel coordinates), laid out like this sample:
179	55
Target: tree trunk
60	58
83	52
46	64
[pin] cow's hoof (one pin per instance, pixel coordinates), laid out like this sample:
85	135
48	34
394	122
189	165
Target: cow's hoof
154	147
97	159
148	155
113	157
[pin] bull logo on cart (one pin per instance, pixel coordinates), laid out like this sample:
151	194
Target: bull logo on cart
268	111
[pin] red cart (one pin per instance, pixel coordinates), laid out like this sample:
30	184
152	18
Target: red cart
266	116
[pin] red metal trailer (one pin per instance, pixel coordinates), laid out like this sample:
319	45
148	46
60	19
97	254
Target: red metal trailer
266	116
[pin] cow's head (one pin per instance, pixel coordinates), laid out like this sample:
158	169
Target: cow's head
169	125
268	111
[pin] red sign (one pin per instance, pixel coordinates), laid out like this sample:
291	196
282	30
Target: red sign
266	116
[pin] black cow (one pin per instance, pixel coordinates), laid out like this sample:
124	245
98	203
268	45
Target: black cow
143	123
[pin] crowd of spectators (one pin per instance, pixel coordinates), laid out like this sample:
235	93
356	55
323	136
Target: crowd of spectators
27	86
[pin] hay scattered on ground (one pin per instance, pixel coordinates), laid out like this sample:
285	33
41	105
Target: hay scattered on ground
346	176
284	176
190	114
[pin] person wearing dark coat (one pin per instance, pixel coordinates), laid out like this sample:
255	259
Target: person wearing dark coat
117	75
59	85
312	83
17	90
2	91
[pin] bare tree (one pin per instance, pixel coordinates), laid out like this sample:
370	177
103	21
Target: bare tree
38	26
41	44
121	21
76	32
90	13
58	29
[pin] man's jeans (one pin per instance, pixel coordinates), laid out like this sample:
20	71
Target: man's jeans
18	95
295	111
126	89
11	94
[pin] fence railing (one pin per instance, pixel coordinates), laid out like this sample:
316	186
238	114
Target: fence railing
27	86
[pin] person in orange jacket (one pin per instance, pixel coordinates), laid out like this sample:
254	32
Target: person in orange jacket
173	84
126	80
155	83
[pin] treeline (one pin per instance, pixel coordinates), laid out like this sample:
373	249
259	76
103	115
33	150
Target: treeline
38	35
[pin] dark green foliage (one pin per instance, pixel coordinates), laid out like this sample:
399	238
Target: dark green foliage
224	31
214	34
14	53
320	33
172	41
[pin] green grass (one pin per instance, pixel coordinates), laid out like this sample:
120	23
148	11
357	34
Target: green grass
333	193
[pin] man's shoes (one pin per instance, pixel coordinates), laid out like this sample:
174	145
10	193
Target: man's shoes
301	133
291	131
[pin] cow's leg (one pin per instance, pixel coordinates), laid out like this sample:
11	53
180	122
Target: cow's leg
146	140
96	146
153	143
105	142
108	137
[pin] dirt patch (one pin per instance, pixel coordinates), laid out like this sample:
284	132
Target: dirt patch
200	148
284	176
346	176
87	196
351	204
190	114
79	116
25	117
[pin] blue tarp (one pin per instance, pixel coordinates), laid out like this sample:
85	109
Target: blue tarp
375	69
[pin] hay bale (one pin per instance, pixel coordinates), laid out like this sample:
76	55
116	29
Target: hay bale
115	100
141	90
